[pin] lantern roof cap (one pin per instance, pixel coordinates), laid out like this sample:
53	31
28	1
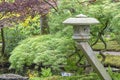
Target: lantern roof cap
81	16
81	20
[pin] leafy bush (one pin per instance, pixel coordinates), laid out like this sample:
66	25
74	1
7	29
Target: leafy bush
46	50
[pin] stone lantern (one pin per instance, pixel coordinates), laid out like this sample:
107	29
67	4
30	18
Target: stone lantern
81	25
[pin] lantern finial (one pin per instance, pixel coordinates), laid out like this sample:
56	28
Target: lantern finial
81	16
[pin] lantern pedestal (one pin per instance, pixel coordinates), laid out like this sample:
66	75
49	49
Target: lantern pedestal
81	36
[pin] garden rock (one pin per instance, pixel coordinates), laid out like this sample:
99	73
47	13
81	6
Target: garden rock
12	77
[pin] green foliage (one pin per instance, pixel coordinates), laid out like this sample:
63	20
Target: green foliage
12	37
8	0
116	25
115	76
46	50
72	63
46	72
31	26
20	31
104	14
56	26
64	11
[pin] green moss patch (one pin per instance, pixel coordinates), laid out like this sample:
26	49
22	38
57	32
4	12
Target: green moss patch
81	77
112	60
111	46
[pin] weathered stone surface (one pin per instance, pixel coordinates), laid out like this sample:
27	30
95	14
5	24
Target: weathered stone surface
81	33
81	21
92	59
12	77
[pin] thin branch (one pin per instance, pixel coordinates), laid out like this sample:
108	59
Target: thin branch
82	2
95	42
3	41
100	35
89	2
56	4
51	5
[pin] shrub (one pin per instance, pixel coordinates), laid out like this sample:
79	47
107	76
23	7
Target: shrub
46	50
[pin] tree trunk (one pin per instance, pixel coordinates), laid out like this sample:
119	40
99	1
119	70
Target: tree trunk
3	42
44	25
